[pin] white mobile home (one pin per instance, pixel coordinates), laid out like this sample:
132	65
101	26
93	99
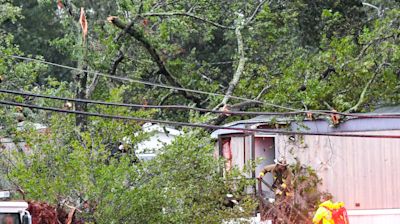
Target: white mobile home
362	172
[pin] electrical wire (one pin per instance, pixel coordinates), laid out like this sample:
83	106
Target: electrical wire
143	106
196	125
150	83
182	107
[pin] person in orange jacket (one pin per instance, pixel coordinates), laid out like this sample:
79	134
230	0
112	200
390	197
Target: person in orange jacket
325	211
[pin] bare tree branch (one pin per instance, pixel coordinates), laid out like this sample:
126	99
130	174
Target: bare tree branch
256	11
250	104
366	87
210	80
165	98
187	14
118	59
240	23
155	56
328	105
362	95
375	7
370	5
120	56
92	86
265	89
242	60
221	62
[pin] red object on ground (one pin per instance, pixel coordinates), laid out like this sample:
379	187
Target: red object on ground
43	213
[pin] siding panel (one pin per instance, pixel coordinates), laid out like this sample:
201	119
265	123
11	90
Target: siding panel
354	170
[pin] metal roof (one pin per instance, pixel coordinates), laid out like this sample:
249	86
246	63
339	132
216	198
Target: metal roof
387	110
321	125
263	119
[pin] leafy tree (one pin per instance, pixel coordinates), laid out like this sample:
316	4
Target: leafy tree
341	55
180	185
292	53
13	74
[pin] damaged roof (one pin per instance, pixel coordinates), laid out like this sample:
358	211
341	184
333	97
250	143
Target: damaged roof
320	124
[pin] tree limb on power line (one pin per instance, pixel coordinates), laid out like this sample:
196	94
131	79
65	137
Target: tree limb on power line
155	56
242	106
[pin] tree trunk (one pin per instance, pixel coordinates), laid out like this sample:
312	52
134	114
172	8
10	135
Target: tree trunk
81	81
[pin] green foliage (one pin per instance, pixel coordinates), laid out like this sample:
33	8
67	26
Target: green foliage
303	54
289	46
180	185
8	12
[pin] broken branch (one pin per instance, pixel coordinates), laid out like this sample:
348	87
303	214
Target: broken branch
154	55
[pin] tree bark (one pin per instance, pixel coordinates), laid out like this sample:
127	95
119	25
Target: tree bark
240	67
81	80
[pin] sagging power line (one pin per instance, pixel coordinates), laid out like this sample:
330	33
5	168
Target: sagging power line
195	125
143	106
183	107
150	83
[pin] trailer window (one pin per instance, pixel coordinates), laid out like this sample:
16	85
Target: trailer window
10	218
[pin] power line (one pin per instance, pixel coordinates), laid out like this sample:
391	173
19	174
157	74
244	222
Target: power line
196	125
143	106
294	111
149	83
182	107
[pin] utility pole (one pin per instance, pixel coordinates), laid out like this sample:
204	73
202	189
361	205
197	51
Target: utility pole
81	83
81	79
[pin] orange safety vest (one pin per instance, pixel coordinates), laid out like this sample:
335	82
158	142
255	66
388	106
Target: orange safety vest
331	213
